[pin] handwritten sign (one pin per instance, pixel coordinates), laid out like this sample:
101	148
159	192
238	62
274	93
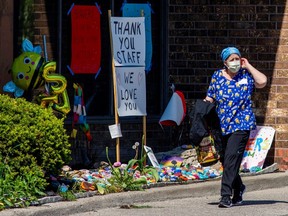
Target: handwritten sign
259	143
128	38
131	91
138	10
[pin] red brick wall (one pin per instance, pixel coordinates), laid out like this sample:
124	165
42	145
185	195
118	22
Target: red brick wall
198	31
46	24
6	40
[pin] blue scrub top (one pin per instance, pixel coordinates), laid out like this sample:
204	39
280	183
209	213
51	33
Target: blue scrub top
233	100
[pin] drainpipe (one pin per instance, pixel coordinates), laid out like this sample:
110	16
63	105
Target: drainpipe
59	37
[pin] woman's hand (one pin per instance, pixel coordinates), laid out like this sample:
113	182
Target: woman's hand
244	63
209	99
259	78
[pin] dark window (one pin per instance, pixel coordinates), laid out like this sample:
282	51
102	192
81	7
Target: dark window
98	92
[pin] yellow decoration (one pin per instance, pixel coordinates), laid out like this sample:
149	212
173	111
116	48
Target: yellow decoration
30	71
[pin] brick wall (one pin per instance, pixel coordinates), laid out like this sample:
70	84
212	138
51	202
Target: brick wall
6	40
198	31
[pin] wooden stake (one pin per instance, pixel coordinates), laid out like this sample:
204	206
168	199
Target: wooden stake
114	90
144	117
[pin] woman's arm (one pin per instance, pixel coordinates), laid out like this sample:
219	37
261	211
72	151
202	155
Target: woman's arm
259	78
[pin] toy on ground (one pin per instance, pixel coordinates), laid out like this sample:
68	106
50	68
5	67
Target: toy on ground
30	71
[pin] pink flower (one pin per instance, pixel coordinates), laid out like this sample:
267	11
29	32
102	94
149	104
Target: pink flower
117	164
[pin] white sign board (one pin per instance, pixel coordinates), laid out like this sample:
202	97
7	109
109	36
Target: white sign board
131	91
115	131
152	157
128	38
258	145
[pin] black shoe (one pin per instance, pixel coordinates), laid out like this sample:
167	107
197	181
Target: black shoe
225	202
238	195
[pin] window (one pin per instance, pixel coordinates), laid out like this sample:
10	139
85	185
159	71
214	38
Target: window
98	92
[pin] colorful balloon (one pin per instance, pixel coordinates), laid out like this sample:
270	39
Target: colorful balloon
30	71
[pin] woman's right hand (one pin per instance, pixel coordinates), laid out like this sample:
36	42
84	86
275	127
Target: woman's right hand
209	99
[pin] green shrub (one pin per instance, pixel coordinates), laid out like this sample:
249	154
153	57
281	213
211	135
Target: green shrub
20	190
30	133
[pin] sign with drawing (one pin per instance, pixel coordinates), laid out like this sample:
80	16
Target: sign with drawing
257	147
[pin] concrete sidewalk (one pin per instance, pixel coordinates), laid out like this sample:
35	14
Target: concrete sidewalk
158	193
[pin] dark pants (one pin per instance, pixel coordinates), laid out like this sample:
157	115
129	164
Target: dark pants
233	147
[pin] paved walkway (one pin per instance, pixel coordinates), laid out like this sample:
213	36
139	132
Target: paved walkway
161	192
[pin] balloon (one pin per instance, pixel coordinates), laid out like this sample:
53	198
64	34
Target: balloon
64	107
59	82
30	71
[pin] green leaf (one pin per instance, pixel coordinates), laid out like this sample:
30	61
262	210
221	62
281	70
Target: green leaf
131	163
141	180
101	188
10	204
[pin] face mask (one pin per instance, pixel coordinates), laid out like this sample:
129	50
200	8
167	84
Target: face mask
234	66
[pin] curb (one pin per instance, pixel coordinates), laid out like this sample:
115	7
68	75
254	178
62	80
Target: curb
57	198
183	190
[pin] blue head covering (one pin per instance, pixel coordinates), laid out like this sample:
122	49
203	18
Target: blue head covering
228	51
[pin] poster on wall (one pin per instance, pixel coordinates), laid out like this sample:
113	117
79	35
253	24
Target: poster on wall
131	91
256	150
128	40
138	10
85	40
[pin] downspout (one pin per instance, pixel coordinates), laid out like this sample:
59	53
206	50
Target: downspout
59	37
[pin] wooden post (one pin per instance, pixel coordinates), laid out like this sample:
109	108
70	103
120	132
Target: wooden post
144	117
114	89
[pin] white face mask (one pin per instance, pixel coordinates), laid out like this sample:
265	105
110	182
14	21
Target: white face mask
234	66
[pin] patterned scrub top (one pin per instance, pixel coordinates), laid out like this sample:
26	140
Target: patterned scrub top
233	100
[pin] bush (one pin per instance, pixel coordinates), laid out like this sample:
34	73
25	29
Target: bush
20	190
31	133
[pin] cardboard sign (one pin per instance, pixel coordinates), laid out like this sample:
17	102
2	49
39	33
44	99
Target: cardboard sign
115	131
128	39
152	157
131	91
259	143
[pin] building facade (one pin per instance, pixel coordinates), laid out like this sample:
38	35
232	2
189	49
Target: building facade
187	37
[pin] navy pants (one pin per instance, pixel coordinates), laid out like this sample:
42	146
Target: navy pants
233	147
